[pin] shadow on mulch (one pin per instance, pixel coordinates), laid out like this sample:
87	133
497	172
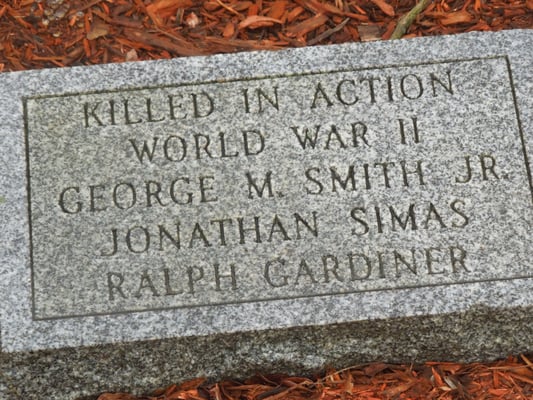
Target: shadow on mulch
509	379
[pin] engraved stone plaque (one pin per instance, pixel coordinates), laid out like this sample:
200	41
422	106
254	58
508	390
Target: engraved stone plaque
276	187
270	190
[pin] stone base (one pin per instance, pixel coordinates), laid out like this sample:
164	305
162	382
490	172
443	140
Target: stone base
139	368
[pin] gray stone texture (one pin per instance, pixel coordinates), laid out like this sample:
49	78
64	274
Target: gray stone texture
77	319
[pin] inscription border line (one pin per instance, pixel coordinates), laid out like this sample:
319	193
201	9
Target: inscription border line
520	130
284	298
258	78
28	188
278	76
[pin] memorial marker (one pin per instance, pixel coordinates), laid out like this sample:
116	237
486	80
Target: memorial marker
164	203
267	190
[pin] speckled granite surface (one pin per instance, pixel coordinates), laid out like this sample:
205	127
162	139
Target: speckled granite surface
144	366
401	234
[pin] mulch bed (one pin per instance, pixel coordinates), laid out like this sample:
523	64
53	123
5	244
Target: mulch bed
509	379
58	33
38	34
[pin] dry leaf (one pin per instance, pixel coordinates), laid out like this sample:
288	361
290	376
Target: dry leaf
98	28
522	378
458	17
320	8
385	7
437	377
278	9
166	8
160	5
498	392
257	21
402	387
229	30
308	25
176	45
375	368
294	13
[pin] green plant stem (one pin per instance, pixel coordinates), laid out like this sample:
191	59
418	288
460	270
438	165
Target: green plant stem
405	22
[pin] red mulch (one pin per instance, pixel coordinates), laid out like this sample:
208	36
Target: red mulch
509	379
59	33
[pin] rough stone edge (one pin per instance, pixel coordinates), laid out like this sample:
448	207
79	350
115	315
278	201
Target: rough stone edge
399	47
141	367
208	68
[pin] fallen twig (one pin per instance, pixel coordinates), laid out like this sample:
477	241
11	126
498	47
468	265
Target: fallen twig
328	33
405	22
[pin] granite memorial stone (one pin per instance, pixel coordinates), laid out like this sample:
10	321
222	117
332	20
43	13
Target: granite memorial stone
331	190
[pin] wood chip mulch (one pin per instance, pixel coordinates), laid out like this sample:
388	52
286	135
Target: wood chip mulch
509	379
38	34
56	33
